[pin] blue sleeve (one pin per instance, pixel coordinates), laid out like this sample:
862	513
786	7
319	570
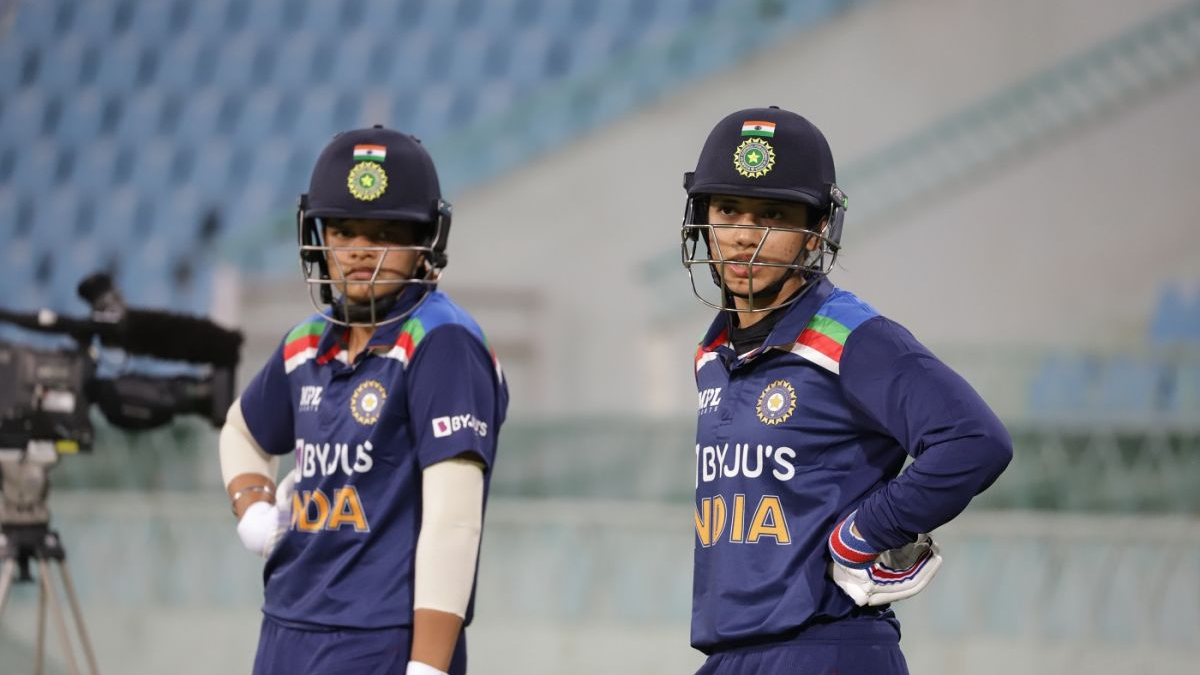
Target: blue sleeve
455	397
267	407
958	444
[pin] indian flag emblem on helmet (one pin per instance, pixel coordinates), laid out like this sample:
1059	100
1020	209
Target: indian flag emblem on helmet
367	402
754	157
776	403
367	181
370	153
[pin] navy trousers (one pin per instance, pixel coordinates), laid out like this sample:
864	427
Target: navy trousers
843	648
290	650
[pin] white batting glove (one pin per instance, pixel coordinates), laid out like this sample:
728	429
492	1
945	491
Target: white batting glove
873	577
895	574
418	668
263	525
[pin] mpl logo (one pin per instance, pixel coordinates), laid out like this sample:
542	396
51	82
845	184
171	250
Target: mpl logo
310	398
445	426
709	398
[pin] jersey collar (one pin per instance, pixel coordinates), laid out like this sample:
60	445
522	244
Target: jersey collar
785	333
333	342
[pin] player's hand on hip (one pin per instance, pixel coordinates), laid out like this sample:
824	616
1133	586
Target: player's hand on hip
263	525
879	578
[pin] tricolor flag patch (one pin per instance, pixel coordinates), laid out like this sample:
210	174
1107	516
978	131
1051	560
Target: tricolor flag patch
369	153
758	128
824	338
300	345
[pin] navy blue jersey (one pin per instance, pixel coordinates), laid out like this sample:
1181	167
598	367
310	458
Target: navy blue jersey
426	389
795	435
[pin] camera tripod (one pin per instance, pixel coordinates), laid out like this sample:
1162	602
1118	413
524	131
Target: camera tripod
26	538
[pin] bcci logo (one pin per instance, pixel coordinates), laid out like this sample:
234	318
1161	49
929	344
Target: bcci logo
776	403
367	181
367	401
754	157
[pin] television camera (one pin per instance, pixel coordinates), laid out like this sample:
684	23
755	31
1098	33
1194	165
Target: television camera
45	397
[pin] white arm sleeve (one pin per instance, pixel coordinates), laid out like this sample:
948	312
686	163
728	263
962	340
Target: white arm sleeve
240	453
448	545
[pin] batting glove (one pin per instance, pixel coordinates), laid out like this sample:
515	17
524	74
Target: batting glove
263	525
874	579
418	668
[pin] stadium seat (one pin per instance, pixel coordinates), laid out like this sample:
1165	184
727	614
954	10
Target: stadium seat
35	21
118	67
111	110
1130	388
204	73
351	64
34	166
140	116
438	18
12	52
211	176
321	16
151	169
115	217
23	115
495	97
233	71
58	68
498	58
198	118
527	13
80	120
8	205
1185	399
95	163
151	18
496	15
579	17
1062	386
52	220
295	59
433	109
404	111
528	65
255	122
462	107
466	60
207	18
1190	328
178	61
348	109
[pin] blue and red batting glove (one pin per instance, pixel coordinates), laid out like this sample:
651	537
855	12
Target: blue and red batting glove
848	547
879	578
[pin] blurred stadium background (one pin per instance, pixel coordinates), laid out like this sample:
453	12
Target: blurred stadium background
1022	179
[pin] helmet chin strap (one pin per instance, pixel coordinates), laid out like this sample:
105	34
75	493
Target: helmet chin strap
359	313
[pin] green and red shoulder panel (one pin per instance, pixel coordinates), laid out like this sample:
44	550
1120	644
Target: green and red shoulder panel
417	327
300	345
824	338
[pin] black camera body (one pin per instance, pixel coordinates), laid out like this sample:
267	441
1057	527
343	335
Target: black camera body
44	398
46	394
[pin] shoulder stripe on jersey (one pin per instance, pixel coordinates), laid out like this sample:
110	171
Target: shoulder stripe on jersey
847	309
411	334
300	345
706	353
824	338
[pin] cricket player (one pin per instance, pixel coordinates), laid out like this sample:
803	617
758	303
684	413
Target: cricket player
390	401
809	402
